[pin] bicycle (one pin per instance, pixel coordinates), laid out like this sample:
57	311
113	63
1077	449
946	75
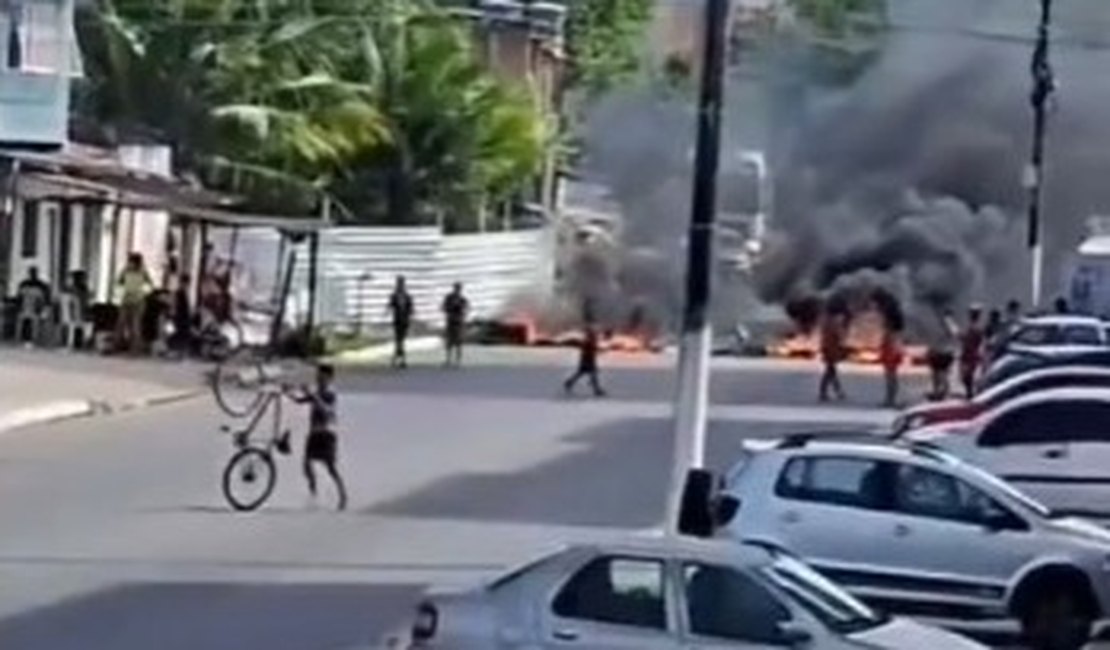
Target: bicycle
253	466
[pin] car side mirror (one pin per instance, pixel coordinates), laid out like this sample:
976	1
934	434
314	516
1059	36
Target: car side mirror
792	634
725	510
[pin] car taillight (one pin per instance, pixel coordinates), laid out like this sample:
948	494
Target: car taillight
427	620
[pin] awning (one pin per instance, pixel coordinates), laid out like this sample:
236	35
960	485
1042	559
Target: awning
66	176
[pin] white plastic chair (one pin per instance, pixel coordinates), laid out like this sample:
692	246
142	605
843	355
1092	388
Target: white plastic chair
72	322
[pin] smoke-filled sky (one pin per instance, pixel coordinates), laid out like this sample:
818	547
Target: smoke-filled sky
909	177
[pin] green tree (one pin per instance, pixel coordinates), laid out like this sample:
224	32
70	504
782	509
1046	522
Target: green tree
841	18
605	41
381	102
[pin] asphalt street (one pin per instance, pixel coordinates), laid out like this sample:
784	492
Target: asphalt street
115	534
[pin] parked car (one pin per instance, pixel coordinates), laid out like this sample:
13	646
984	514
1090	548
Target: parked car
662	593
1059	434
916	531
937	413
1061	332
1014	364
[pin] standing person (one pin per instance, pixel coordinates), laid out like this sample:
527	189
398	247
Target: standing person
181	313
588	353
941	356
834	329
401	309
34	307
993	335
134	283
455	310
322	443
972	343
1061	306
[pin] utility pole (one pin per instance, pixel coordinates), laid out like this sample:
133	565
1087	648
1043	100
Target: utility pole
1044	85
692	401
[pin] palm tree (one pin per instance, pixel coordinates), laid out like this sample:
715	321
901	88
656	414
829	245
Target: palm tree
282	99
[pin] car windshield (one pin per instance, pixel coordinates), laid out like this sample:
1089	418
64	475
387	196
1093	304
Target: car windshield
834	607
1008	490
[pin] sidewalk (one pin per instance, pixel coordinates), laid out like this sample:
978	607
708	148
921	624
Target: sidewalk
46	386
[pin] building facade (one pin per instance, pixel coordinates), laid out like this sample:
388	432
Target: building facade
523	43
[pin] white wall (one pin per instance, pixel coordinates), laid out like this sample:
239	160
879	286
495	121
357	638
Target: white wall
357	268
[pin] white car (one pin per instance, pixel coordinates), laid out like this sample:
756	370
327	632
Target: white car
664	594
1062	332
955	412
1057	440
917	531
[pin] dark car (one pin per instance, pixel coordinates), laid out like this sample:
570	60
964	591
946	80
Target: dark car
1016	363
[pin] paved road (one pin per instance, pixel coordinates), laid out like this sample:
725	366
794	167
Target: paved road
115	534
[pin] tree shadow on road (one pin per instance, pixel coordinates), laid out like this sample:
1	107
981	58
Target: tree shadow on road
614	475
214	616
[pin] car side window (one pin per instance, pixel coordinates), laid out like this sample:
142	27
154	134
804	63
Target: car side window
922	492
1050	422
851	482
724	603
1080	335
617	591
1036	335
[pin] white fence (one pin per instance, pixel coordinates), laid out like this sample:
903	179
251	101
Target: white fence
358	266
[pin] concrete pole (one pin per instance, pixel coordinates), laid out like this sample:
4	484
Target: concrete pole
692	400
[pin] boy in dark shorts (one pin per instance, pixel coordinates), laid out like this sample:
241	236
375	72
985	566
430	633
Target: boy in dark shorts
322	444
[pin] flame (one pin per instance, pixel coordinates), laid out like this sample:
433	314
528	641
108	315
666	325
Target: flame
627	342
863	344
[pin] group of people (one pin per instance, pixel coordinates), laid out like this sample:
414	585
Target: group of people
402	311
146	316
968	347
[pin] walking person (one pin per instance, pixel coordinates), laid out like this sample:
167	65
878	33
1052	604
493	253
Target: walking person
892	352
134	283
455	310
941	356
401	309
34	308
972	343
588	353
322	443
834	332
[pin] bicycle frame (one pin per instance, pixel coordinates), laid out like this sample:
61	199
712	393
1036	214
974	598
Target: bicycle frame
272	401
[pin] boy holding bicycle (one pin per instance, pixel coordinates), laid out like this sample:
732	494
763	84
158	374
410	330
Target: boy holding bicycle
322	444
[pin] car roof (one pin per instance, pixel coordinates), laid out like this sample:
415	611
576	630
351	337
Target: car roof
856	445
658	544
1043	372
1084	393
1063	319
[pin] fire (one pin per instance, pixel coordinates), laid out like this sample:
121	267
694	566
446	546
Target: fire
532	334
863	344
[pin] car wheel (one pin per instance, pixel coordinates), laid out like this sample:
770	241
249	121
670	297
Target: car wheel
1058	618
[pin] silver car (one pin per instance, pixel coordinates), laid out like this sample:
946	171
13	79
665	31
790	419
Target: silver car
663	594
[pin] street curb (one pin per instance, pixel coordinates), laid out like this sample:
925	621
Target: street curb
382	352
74	409
46	413
160	399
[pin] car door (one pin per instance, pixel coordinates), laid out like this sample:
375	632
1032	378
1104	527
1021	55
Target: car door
829	509
726	608
1059	451
613	603
953	544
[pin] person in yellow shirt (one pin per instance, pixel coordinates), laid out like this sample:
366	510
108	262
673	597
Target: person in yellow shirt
134	285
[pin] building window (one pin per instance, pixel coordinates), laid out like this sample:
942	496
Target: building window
34	35
29	236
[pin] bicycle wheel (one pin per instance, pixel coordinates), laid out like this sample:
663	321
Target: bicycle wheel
249	479
236	382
